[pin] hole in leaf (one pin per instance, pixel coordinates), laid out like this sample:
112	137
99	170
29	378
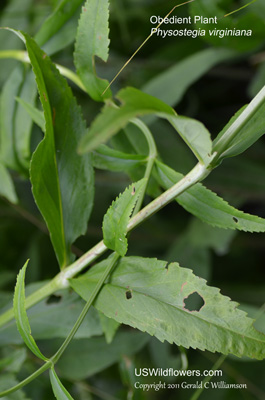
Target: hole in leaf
235	219
128	295
53	299
194	302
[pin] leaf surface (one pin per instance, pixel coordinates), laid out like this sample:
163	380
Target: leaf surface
113	160
52	34
109	327
170	85
21	314
92	40
62	181
36	115
7	188
15	124
117	218
150	295
51	318
136	103
58	389
207	206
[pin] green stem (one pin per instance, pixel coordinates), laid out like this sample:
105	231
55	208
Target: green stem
76	326
23	56
217	365
198	173
61	280
15	54
30	378
81	317
34	298
151	159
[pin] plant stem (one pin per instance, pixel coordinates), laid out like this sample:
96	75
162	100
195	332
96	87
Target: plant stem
15	54
151	159
60	281
195	175
76	326
32	299
218	363
81	317
30	378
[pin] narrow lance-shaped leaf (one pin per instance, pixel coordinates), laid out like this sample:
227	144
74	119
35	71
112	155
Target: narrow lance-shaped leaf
54	25
109	326
7	188
62	181
21	314
244	129
36	115
113	160
152	296
58	389
15	124
170	85
136	103
207	206
92	40
117	218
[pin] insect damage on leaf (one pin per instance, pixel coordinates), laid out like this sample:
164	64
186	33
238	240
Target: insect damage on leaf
193	302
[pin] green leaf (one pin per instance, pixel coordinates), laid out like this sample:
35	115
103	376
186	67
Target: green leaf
207	206
244	129
258	81
15	124
7	188
257	313
112	119
13	360
15	14
92	40
136	103
185	73
53	35
21	314
52	318
58	389
36	115
109	327
62	181
117	218
150	295
113	160
195	135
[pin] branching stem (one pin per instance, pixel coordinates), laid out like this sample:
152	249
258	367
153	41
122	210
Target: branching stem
198	173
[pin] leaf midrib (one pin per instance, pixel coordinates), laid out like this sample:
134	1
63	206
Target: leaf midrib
183	311
50	126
